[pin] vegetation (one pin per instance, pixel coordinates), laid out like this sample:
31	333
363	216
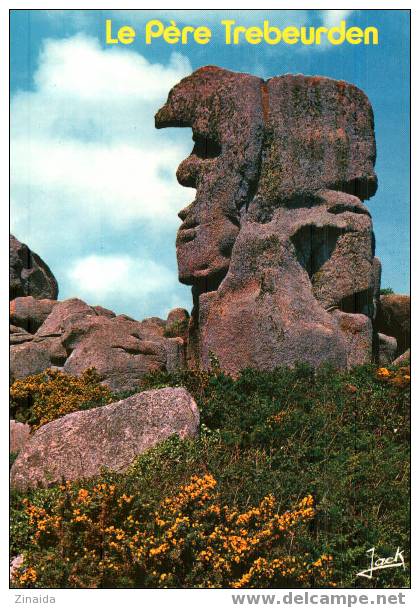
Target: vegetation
294	477
44	397
386	291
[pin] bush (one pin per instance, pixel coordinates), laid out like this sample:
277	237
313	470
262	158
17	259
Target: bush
268	438
102	537
386	291
44	397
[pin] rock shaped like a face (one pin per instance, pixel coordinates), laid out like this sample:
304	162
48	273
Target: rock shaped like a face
299	280
225	113
287	137
29	274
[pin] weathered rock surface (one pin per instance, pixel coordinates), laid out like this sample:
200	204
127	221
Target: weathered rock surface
19	335
177	324
76	336
225	112
281	252
403	359
393	319
387	349
35	356
319	136
30	313
19	436
80	444
29	275
177	315
122	351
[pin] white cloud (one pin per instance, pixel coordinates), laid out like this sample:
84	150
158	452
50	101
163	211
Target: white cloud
85	138
103	275
79	67
333	17
89	170
125	283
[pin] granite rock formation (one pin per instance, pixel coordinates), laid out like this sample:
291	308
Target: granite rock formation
29	275
393	319
78	445
75	336
19	434
387	349
29	313
277	245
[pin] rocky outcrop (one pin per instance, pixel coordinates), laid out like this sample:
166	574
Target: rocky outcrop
18	335
19	434
403	359
393	319
76	336
122	351
387	349
78	445
30	313
278	245
29	275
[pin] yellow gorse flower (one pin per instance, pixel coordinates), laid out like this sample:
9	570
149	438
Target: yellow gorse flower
226	547
54	394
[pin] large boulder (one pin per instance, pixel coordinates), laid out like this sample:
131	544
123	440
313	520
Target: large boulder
33	357
19	434
30	313
78	445
29	275
76	336
19	335
393	319
121	350
277	245
387	349
177	323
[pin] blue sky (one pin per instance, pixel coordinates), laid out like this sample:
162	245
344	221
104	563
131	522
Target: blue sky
93	187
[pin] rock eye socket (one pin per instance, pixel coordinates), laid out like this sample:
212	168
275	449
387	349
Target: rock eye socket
205	147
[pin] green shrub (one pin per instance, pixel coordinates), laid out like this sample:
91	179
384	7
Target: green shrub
12	458
341	437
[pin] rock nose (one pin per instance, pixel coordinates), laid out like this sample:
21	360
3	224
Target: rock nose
187	172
